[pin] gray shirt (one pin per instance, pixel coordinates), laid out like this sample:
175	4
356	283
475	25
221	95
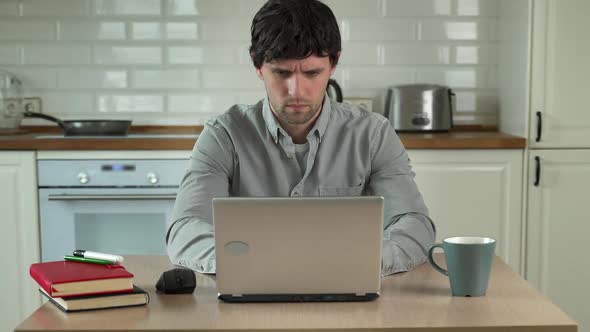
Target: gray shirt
352	152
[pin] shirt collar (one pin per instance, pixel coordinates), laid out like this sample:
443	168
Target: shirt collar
274	127
272	124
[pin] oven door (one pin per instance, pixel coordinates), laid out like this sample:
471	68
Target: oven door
123	221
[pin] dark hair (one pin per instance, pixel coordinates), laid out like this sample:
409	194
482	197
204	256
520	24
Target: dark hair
294	29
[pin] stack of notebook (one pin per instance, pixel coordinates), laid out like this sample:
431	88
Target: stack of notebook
75	286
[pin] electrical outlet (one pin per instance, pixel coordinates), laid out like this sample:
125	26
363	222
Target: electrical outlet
9	107
366	103
32	104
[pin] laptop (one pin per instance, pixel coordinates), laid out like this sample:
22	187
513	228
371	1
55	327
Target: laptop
285	249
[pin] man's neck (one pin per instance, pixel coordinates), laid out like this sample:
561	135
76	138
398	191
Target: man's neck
298	132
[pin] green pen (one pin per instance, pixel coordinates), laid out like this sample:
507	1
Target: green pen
87	260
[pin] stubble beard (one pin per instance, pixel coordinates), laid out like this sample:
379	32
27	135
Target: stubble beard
299	117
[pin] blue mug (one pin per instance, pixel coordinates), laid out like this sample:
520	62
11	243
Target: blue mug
469	263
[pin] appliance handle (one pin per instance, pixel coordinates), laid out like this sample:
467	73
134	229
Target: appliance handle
111	197
537	171
451	104
388	101
539	126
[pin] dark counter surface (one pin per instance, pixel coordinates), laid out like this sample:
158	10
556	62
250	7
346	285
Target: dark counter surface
184	138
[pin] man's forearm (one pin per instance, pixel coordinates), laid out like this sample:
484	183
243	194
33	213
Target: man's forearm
192	244
405	243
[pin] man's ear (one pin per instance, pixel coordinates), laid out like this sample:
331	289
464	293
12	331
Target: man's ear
258	70
259	73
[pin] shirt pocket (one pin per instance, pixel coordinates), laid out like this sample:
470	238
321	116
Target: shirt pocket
342	191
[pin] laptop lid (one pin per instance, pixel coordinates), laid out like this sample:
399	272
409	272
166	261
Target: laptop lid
298	246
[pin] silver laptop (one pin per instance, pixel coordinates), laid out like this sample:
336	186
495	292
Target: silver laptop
298	249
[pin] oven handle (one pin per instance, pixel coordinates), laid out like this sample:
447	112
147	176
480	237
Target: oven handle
111	197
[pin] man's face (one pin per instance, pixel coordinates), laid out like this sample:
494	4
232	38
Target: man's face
296	88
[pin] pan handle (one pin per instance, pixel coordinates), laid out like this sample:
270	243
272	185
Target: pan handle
46	117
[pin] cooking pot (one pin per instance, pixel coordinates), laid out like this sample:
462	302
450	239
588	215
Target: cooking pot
86	127
11	105
420	107
334	90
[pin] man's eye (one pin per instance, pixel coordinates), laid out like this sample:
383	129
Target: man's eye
312	73
283	74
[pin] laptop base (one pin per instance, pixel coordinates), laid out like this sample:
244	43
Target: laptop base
297	298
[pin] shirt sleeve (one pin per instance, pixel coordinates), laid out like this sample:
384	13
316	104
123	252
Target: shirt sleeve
190	238
407	229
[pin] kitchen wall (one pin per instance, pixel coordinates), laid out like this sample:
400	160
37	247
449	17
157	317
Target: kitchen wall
183	61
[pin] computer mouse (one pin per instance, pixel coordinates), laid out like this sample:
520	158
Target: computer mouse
177	281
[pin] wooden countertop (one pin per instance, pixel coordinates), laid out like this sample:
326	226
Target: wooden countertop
416	301
184	138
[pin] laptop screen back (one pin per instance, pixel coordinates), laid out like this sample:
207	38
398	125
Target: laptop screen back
304	245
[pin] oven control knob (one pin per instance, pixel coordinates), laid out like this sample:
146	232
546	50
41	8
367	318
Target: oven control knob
152	178
83	178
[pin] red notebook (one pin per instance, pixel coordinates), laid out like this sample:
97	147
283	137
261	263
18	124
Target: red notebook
67	278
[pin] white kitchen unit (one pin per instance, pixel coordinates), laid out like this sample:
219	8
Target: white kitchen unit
558	229
559	155
474	193
560	112
19	246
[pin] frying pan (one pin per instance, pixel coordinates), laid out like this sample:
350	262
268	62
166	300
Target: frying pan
86	127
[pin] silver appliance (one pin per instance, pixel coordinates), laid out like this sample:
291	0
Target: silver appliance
114	206
420	107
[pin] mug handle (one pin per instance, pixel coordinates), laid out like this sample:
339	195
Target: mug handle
431	259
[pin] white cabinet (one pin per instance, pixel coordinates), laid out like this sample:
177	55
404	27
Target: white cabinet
558	229
19	246
558	210
560	74
474	192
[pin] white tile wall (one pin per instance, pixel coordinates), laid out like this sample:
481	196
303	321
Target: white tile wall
9	54
127	55
27	30
127	7
55	8
209	54
204	103
83	31
417	8
130	103
183	61
165	79
473	29
9	8
79	104
478	8
53	54
81	78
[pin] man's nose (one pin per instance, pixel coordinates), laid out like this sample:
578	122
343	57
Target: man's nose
294	86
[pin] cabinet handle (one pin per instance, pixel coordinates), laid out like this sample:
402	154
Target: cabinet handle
539	126
537	171
110	197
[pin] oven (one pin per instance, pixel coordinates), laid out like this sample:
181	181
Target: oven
113	206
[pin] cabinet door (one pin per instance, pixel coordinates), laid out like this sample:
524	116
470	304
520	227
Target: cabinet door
20	237
474	193
558	229
560	74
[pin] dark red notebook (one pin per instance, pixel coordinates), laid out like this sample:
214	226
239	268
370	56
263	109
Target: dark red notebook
67	278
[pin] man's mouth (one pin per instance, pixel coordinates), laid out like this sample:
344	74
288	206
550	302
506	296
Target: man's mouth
296	107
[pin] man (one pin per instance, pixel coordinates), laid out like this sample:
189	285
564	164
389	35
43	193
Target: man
297	142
